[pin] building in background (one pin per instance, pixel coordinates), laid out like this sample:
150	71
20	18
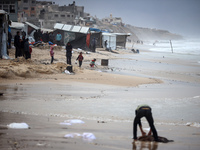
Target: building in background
11	7
112	20
50	13
27	11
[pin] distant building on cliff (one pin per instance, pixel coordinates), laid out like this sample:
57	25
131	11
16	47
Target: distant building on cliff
112	20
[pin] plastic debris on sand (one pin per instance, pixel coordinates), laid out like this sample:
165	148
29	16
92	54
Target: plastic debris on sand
18	126
72	121
85	136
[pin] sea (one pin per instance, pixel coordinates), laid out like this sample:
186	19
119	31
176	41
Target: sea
189	46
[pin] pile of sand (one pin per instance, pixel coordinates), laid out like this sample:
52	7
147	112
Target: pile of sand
21	67
40	62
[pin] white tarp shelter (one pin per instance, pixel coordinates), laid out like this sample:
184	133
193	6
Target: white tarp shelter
17	25
71	28
111	40
121	39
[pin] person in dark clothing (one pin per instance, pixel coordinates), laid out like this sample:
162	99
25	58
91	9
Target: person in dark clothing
9	39
51	37
106	44
17	44
52	54
36	36
69	52
39	35
80	59
94	45
26	49
22	46
144	111
47	36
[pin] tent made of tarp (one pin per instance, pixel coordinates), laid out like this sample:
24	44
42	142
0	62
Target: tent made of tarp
17	25
46	30
111	40
31	27
76	35
71	28
3	34
95	29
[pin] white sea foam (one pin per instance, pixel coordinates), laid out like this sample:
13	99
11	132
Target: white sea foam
196	96
191	46
193	124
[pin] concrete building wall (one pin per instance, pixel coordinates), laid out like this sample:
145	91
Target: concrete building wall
27	10
11	7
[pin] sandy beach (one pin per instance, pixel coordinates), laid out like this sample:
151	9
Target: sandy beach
105	98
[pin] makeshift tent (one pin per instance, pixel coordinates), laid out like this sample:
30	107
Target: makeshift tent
121	39
76	35
17	26
3	34
111	40
31	28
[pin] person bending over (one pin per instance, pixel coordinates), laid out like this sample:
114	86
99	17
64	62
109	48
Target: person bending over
144	111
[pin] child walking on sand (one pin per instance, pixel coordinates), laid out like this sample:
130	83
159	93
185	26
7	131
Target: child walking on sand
52	54
80	59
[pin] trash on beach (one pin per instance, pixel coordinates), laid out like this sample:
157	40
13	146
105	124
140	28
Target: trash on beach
88	136
85	136
101	122
73	135
72	121
18	126
65	123
67	72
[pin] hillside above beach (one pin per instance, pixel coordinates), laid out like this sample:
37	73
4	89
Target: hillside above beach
138	33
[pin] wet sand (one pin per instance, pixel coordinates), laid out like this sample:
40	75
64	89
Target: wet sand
47	133
105	99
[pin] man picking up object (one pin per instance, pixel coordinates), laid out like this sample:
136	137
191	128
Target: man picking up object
144	111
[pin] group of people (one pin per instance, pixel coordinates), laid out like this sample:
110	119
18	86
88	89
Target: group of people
69	56
47	37
22	47
43	36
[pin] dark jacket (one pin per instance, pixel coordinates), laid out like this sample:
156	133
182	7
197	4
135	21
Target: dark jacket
17	41
68	50
26	46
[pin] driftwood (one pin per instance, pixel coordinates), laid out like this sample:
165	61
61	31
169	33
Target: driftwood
151	138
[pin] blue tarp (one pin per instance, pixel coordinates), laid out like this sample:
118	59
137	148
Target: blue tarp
95	29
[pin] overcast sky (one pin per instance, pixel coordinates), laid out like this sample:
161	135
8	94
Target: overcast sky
177	16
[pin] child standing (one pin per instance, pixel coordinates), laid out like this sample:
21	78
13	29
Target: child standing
52	54
80	59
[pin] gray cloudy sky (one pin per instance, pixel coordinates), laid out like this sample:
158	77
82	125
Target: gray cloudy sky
177	16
